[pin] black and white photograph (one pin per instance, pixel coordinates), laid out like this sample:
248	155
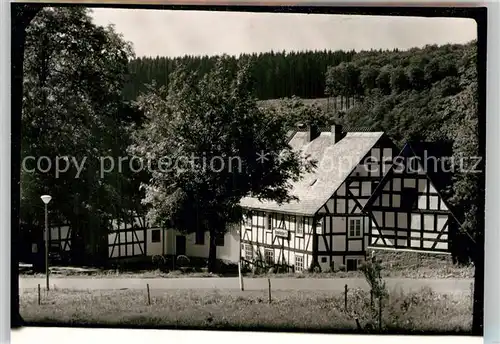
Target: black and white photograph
249	168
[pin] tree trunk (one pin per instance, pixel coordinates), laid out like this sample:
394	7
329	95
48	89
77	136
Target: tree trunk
212	252
77	243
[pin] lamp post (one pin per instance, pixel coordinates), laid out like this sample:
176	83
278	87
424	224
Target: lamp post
46	199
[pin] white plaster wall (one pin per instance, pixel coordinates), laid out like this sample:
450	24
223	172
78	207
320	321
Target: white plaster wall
339	224
339	243
355	245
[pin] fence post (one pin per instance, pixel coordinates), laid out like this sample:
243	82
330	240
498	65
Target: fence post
149	296
241	276
380	313
39	294
472	293
269	284
345	297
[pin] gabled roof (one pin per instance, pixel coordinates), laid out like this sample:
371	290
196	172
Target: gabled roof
335	162
432	153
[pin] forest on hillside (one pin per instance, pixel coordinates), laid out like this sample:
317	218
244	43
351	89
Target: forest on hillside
410	94
277	74
302	74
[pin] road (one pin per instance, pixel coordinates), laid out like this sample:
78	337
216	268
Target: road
324	284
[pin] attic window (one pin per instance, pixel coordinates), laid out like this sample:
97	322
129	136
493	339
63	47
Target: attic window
314	182
409	199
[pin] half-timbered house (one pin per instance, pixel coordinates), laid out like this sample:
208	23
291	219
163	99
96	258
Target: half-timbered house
407	208
326	226
139	239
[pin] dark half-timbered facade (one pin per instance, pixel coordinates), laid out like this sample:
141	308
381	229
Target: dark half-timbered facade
326	227
407	210
128	239
33	248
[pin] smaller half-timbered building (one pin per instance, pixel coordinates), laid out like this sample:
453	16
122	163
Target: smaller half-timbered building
407	208
326	227
139	239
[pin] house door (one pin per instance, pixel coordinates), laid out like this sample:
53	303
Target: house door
180	245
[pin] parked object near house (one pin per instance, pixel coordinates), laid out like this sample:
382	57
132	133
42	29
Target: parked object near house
326	227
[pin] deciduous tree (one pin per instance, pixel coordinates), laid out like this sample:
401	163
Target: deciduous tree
210	132
74	72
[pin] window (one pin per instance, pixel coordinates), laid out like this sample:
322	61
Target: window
300	226
269	222
248	252
319	227
248	221
219	240
355	228
200	238
409	199
352	264
269	256
156	235
299	263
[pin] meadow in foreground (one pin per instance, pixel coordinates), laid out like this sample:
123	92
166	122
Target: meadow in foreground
413	312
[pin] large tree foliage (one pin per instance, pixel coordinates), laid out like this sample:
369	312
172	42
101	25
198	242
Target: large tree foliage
74	72
203	137
295	112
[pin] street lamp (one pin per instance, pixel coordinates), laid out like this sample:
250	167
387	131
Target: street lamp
46	199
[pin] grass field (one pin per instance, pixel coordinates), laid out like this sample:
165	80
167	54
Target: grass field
416	312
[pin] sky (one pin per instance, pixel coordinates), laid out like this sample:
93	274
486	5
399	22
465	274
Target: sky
177	33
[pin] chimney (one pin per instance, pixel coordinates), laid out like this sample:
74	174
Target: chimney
336	133
314	132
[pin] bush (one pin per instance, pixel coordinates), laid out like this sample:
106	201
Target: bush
314	268
258	266
372	270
